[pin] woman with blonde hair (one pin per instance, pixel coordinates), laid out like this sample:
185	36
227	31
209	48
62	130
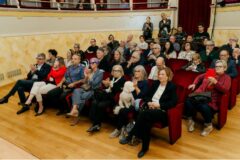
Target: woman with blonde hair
118	58
159	99
195	65
140	88
113	86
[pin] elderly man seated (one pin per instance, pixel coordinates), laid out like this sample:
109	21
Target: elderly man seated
38	72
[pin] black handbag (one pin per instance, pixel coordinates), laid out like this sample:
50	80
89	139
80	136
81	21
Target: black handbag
199	98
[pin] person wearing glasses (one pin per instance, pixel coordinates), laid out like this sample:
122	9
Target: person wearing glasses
160	64
92	81
231	65
53	79
38	72
156	52
161	97
236	56
217	85
140	88
132	63
113	85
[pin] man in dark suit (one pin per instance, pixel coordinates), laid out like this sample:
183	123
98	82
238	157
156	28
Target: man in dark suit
38	72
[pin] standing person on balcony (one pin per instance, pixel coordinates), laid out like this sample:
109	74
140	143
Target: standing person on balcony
83	5
217	85
164	25
147	29
159	99
124	4
101	5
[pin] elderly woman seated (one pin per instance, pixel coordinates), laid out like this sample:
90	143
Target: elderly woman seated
159	99
195	65
114	85
53	79
217	84
92	81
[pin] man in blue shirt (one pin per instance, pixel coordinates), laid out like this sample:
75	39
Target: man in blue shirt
73	78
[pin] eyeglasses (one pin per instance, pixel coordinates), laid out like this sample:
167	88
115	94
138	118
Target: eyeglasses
116	70
218	66
40	58
137	71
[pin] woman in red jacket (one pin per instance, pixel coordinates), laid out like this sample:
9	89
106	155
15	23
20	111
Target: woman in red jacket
53	79
216	84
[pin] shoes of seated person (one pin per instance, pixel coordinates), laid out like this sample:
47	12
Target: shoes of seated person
3	100
191	125
123	133
141	153
94	128
125	140
207	130
115	133
134	141
23	109
39	114
130	126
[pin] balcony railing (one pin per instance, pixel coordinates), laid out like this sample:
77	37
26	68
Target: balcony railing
73	5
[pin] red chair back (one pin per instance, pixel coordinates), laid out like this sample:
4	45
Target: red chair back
233	92
176	64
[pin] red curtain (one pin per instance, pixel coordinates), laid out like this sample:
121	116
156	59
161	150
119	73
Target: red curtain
193	12
140	6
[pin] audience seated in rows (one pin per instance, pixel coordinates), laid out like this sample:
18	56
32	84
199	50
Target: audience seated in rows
160	64
210	53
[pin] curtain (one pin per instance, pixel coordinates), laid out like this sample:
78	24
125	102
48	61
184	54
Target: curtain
193	12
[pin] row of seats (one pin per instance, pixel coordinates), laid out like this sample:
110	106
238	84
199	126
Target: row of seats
182	79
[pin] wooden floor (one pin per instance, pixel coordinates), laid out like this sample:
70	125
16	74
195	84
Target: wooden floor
49	136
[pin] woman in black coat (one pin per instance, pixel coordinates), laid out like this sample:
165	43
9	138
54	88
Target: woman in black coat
114	86
161	97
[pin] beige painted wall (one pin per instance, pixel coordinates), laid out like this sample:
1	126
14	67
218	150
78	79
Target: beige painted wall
227	23
18	49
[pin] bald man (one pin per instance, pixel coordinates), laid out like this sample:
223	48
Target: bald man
160	63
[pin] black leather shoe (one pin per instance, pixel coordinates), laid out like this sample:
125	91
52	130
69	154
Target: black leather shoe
3	100
94	128
23	109
141	153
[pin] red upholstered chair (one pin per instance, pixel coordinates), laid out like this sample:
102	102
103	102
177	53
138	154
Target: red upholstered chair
223	110
176	64
174	121
148	69
184	78
233	92
88	56
238	77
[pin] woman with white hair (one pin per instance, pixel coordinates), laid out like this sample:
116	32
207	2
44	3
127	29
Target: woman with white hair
92	81
217	82
113	86
140	88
